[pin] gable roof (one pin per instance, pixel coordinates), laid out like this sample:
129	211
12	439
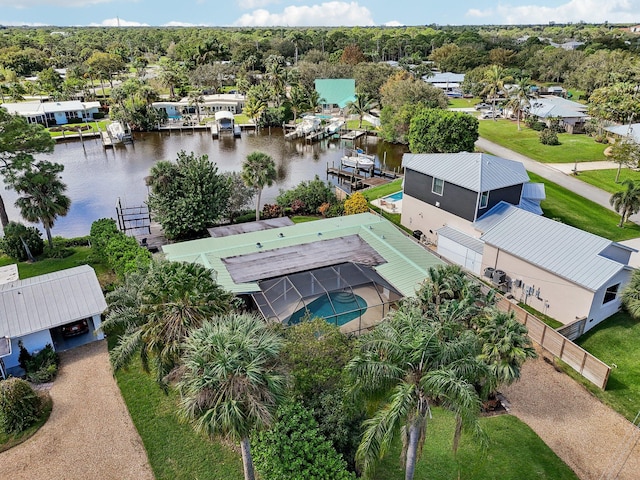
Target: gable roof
406	266
445	77
561	249
479	172
553	106
46	301
338	91
630	130
41	108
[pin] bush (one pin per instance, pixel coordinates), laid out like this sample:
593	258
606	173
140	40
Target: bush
245	217
101	231
549	137
57	252
12	242
271	211
72	242
98	115
19	405
356	203
308	195
335	210
41	367
125	255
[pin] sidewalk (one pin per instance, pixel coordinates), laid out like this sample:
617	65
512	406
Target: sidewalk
552	173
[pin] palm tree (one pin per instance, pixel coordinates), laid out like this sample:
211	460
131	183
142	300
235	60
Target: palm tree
626	202
413	361
43	199
521	98
631	295
495	77
361	106
229	385
157	310
298	100
196	98
258	171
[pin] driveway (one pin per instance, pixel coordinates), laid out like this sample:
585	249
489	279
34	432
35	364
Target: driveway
595	441
89	434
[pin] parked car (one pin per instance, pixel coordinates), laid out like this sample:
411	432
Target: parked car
489	114
75	328
482	106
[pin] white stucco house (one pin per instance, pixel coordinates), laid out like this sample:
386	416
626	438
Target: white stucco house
33	310
53	113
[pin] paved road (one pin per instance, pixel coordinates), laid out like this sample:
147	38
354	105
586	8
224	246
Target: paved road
553	175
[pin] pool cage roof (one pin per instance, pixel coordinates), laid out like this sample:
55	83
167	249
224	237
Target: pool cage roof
281	297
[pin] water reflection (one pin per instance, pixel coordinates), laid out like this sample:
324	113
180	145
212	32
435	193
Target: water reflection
96	177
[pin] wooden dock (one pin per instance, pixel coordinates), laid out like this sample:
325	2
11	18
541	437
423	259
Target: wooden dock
154	240
352	134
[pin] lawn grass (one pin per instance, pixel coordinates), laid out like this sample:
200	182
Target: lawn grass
304	218
572	148
615	341
8	441
94	128
355	125
577	211
463	102
605	179
514	451
552	322
382	190
241	118
174	449
81	256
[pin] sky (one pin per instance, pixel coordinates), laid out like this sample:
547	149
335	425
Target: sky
292	13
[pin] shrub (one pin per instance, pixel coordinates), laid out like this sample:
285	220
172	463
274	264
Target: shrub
19	405
271	211
101	231
356	203
245	217
14	236
40	367
335	210
72	242
297	206
57	252
549	137
125	255
312	194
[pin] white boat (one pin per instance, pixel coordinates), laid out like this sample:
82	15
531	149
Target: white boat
308	125
335	126
116	131
357	161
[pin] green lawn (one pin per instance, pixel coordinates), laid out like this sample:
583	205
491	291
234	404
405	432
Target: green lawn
383	190
552	322
573	148
102	123
579	212
514	451
304	218
175	450
82	256
605	179
615	341
355	125
463	102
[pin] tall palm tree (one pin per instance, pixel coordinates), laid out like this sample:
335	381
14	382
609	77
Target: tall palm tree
520	99
229	385
413	361
42	194
298	100
495	77
157	310
196	98
258	171
626	202
631	295
361	106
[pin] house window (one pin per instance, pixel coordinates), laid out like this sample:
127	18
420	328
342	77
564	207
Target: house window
611	293
484	199
438	186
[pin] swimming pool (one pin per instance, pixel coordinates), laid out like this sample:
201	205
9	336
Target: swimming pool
336	307
395	197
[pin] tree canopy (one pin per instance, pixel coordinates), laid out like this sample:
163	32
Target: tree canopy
442	131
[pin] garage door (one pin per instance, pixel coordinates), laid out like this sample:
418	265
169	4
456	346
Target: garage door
460	248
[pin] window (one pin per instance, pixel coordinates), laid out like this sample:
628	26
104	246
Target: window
438	186
611	293
484	199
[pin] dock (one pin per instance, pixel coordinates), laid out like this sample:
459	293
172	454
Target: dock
352	134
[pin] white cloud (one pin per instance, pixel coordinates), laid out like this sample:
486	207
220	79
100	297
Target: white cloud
252	4
393	23
183	24
614	11
52	3
118	22
330	14
13	23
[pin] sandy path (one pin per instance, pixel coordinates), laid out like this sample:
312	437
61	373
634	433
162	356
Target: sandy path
89	434
582	431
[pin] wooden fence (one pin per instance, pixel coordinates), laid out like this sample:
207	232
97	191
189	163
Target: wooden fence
591	368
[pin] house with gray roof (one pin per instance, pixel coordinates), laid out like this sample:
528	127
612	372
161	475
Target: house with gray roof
33	310
54	113
571	115
629	131
455	189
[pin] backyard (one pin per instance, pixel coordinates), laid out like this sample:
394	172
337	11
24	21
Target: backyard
572	148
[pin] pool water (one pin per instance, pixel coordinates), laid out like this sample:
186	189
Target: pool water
395	197
347	307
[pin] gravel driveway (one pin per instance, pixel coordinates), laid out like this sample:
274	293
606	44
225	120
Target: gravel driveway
89	434
595	441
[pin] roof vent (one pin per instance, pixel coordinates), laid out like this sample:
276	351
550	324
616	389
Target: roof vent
258	245
281	235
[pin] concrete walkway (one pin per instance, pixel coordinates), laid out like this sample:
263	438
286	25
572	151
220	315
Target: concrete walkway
553	174
89	434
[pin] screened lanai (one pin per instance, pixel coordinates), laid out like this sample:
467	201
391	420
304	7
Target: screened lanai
352	296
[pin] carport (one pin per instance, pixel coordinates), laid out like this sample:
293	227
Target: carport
34	309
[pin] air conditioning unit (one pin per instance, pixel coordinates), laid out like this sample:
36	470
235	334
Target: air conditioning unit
488	272
499	276
517	283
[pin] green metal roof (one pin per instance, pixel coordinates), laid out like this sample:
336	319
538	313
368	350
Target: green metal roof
338	91
407	261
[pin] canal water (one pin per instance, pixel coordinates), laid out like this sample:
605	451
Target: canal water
96	178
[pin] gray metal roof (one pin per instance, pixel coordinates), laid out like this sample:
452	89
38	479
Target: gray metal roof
46	301
445	77
479	172
533	191
239	228
553	106
461	238
565	251
631	131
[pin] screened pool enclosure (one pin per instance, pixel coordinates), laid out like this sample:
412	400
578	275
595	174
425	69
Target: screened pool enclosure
352	296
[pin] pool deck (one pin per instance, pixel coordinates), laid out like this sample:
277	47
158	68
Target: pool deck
394	206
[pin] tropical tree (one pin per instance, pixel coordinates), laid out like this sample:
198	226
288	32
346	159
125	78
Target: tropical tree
495	77
442	131
157	308
258	171
361	106
520	98
42	194
171	75
19	140
626	202
625	152
413	361
229	385
195	98
631	295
